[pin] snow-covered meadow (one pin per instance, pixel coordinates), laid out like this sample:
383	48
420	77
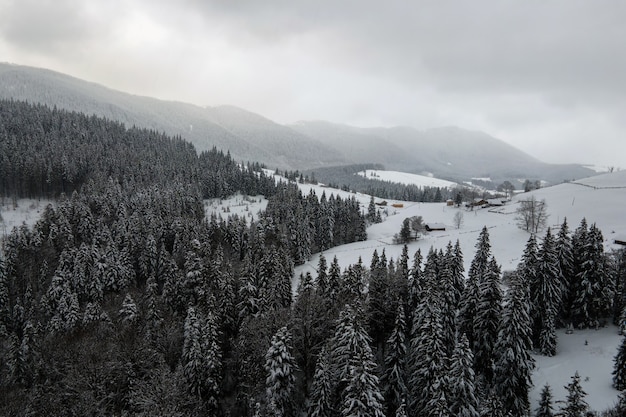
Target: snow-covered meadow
406	178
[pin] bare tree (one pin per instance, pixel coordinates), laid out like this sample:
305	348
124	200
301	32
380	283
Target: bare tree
458	219
532	215
417	225
507	188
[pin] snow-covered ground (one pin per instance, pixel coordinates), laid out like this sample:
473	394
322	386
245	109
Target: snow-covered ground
243	206
406	178
591	353
14	215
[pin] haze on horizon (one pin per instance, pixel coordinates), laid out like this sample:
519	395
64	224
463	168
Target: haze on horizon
546	77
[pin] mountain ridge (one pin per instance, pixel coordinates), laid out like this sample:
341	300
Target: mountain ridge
447	152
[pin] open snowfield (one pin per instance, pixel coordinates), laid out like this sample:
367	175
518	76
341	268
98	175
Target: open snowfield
26	211
406	178
244	206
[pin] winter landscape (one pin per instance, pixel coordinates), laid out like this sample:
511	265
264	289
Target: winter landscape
312	209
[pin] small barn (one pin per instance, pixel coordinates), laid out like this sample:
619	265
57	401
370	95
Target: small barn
397	205
620	239
381	203
431	227
449	203
495	202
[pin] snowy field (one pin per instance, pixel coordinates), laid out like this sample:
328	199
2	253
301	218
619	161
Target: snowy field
244	206
406	178
25	211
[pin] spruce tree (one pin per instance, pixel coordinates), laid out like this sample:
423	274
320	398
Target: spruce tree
487	323
393	382
362	397
546	293
575	404
619	367
514	363
321	402
545	408
280	368
463	397
566	271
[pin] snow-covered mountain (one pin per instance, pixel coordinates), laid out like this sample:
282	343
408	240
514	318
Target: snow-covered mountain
450	153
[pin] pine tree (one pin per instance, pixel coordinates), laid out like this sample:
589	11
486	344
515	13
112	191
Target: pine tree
202	357
546	293
545	408
362	397
575	404
487	324
321	403
280	367
566	270
129	313
463	398
428	360
619	367
514	363
394	378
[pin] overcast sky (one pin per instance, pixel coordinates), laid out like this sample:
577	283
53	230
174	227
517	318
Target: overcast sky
548	77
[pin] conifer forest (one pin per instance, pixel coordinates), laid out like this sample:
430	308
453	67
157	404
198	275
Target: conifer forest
126	299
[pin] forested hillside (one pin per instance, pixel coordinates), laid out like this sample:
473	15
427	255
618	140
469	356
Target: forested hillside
124	298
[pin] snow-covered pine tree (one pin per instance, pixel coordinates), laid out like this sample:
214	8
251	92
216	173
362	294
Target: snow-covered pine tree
546	293
619	367
575	404
513	361
361	396
321	401
487	323
471	294
565	255
393	382
129	313
428	360
280	367
463	397
202	356
545	408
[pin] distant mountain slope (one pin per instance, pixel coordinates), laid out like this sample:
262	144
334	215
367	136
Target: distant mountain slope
249	137
448	152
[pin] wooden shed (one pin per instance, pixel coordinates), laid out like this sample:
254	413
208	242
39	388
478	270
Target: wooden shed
431	227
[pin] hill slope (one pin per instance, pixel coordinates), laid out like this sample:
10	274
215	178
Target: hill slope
450	153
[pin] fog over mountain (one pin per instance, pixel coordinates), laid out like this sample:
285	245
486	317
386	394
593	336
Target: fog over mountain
447	152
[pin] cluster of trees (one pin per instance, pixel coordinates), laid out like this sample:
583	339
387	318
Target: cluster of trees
124	298
46	152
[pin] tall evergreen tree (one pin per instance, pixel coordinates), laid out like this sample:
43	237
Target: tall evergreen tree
280	367
619	367
393	382
321	403
546	293
362	397
575	404
463	397
487	324
566	270
514	363
545	408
